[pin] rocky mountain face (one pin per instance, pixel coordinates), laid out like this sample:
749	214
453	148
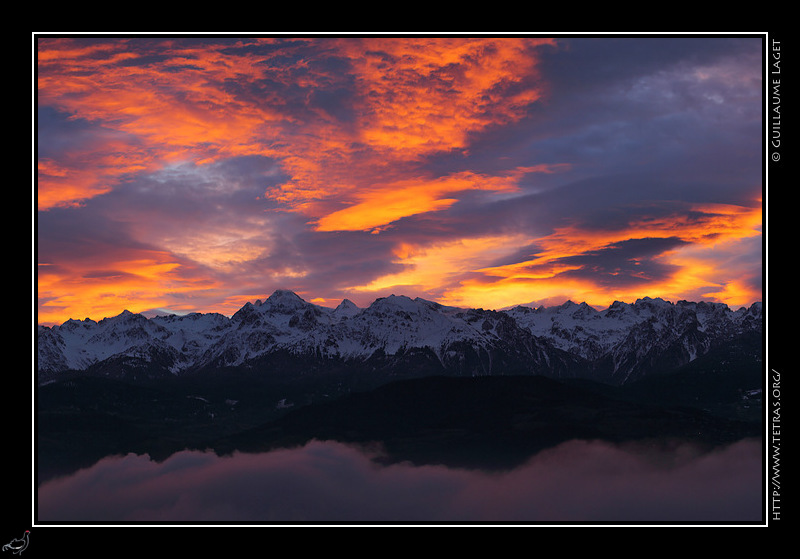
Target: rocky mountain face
396	337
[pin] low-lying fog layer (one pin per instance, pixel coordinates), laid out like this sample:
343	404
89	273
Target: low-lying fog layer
325	481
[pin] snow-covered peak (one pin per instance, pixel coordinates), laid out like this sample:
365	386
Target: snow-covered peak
72	324
392	324
579	311
652	303
276	309
196	323
438	307
346	309
756	309
125	317
396	303
284	300
403	304
617	309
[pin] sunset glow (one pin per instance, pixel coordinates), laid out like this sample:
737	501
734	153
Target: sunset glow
181	174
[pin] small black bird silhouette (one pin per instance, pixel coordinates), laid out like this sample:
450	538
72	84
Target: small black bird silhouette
17	545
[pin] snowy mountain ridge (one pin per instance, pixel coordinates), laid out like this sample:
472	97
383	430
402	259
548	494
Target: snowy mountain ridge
617	344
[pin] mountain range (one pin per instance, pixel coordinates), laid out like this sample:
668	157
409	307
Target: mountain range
429	383
398	337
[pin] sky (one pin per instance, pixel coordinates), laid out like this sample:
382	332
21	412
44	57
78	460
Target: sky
182	174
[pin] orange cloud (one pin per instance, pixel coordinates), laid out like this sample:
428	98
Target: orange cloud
382	204
80	175
168	115
432	268
135	280
428	95
459	272
59	185
704	225
413	98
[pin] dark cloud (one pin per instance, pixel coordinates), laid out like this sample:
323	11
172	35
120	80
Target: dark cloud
193	196
145	60
625	263
332	261
279	50
304	83
575	482
59	133
600	203
73	234
183	197
680	110
590	62
337	103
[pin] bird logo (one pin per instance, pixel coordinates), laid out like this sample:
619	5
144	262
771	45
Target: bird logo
17	546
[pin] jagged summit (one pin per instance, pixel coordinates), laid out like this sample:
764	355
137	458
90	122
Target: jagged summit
346	304
346	308
123	316
285	299
396	302
281	294
653	303
572	339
